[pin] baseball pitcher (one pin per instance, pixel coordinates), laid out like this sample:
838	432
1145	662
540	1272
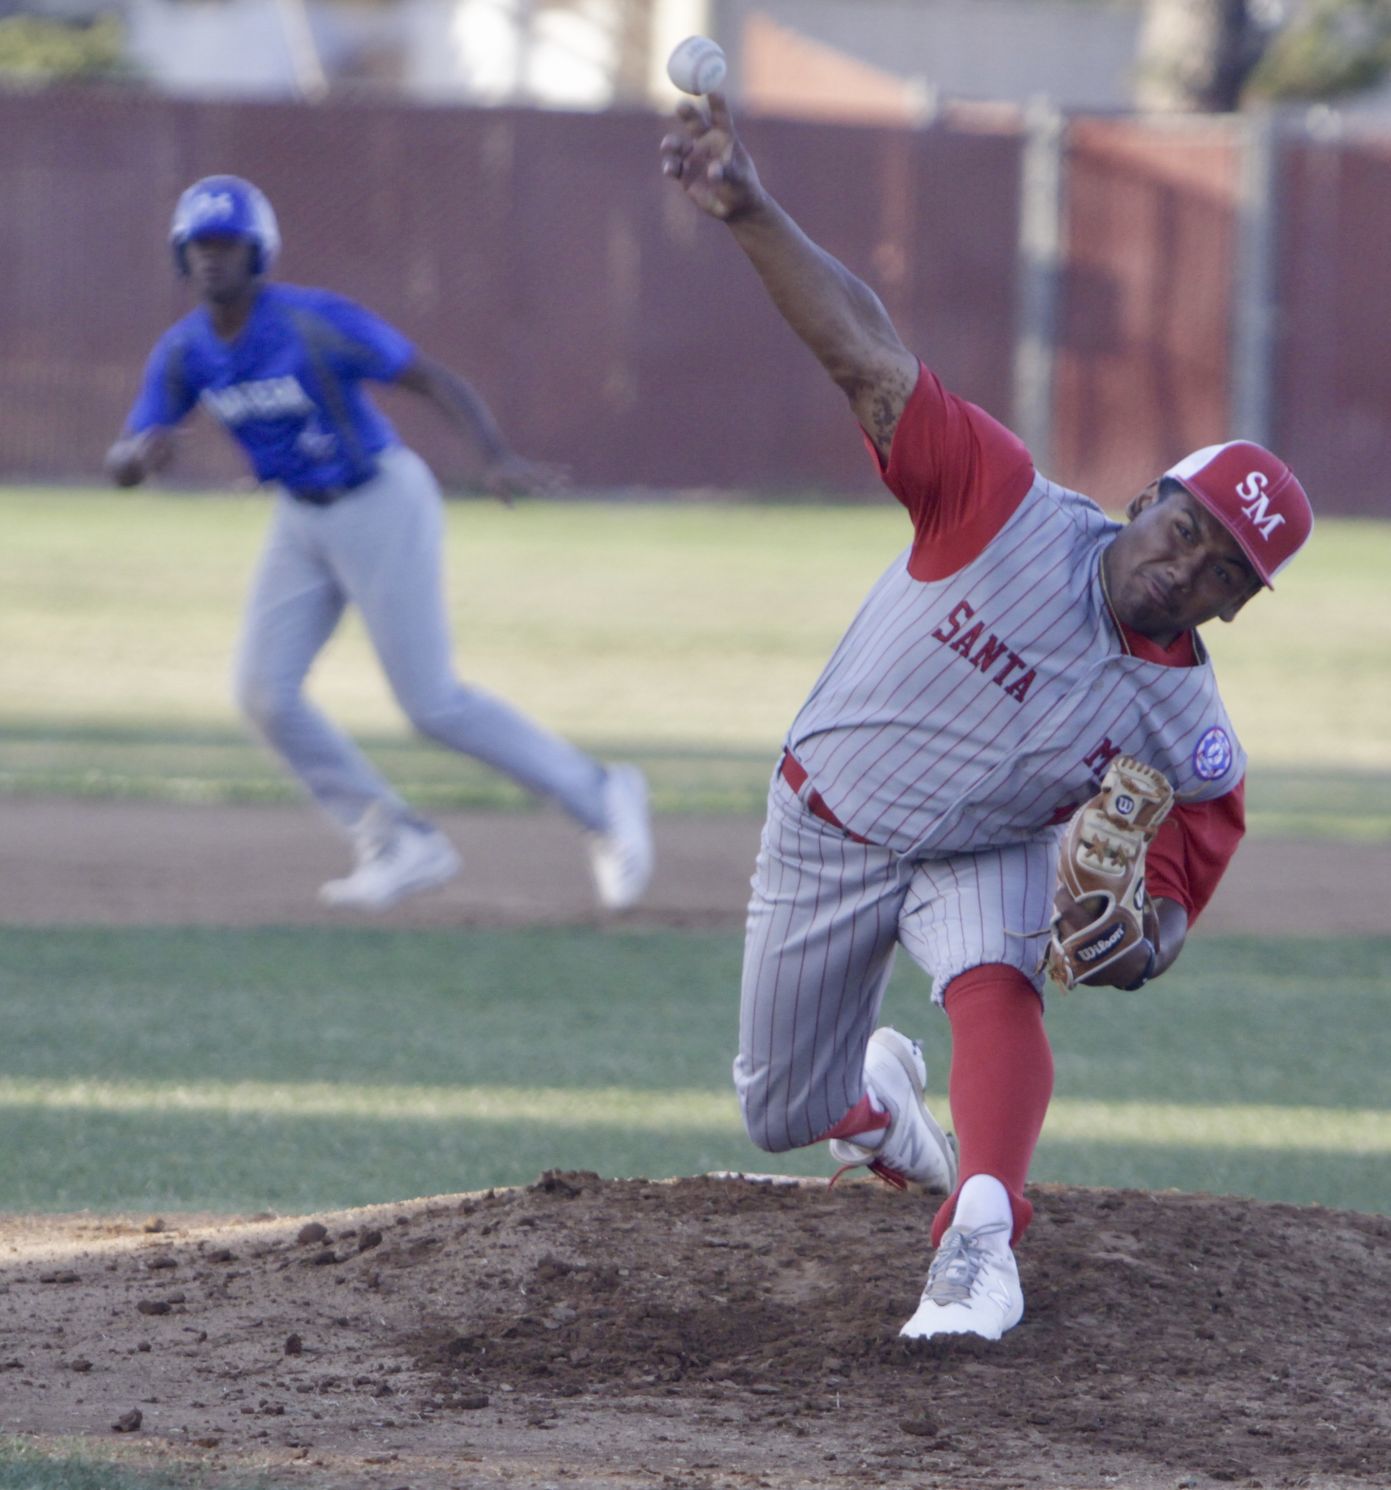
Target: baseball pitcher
358	520
1025	683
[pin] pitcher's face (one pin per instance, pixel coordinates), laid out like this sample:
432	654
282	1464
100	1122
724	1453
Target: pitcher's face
1175	566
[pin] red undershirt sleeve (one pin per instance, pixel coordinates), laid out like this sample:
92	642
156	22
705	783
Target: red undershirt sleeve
959	472
1193	847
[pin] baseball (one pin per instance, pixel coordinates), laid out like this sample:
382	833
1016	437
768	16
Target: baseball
696	65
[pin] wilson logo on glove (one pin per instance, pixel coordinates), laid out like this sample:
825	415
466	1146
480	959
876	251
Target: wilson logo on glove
1096	949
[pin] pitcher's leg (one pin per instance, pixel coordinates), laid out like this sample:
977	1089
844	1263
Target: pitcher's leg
822	927
977	923
973	925
1000	1085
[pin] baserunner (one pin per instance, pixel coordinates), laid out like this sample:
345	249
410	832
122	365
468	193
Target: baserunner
358	521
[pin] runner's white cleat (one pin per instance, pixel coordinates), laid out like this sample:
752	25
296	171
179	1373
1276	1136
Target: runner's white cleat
621	854
394	859
972	1287
914	1149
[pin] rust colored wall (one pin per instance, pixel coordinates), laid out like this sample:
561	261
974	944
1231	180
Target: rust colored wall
541	254
783	71
1333	388
618	332
1142	369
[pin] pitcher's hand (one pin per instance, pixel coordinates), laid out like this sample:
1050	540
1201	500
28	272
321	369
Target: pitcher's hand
705	157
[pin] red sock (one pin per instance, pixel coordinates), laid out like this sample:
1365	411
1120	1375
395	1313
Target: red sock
1000	1084
863	1117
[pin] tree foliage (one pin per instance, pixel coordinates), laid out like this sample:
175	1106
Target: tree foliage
39	49
1334	48
1210	55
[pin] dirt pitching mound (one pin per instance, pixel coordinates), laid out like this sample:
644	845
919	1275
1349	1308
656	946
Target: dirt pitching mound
709	1333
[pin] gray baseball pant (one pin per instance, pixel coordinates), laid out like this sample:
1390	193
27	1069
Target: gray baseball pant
826	917
380	548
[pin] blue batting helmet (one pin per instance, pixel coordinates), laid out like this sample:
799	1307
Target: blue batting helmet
225	204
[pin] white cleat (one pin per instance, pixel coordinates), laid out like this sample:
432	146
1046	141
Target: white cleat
621	854
394	859
972	1287
914	1149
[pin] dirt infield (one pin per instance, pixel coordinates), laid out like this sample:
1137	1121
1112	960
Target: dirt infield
709	1334
115	863
700	1334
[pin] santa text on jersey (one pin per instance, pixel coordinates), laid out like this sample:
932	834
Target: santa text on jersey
985	654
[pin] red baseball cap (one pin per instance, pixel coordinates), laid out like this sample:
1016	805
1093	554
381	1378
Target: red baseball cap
1255	496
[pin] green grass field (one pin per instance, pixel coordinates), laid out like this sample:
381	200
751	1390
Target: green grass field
683	635
684	626
303	1069
81	1464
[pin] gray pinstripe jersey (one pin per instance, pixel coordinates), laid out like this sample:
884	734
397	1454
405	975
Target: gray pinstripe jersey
978	710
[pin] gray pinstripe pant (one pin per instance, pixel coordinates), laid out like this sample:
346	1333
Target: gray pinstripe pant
826	917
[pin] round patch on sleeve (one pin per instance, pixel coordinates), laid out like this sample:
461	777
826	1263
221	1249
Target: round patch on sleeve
1212	756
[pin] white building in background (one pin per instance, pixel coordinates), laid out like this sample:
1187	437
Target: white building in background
888	61
572	55
848	58
566	56
894	57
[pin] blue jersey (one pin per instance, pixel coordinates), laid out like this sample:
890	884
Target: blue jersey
288	387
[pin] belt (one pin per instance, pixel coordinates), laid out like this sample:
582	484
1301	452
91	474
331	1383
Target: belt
795	775
326	496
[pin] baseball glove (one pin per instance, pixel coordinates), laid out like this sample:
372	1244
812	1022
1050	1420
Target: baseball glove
1102	868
